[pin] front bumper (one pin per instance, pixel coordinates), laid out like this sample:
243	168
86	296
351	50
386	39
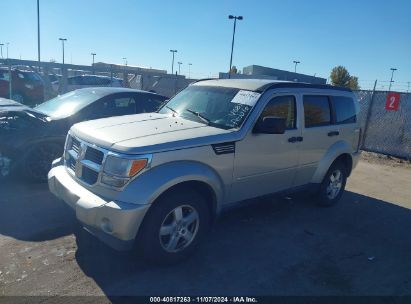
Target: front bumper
115	223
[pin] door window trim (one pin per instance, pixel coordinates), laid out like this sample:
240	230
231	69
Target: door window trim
330	105
297	122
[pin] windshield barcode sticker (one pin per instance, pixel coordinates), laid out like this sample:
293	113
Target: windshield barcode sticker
246	98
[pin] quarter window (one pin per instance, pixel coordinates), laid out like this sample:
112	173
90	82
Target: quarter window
344	110
316	111
282	107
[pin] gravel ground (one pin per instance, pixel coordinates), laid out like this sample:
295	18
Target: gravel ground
277	246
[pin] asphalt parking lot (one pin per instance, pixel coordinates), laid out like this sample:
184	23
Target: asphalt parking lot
278	246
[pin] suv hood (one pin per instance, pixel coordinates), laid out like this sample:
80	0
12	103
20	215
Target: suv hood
148	133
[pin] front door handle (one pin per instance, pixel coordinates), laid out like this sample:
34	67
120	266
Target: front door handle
295	139
333	133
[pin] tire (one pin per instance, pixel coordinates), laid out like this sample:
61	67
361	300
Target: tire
179	238
333	185
37	162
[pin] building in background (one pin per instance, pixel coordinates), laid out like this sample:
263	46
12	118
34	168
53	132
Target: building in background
103	65
257	71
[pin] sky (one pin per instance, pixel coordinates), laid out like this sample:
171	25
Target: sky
368	37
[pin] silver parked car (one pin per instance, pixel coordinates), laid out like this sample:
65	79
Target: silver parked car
87	81
160	179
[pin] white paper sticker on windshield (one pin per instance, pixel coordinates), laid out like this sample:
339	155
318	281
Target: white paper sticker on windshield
246	97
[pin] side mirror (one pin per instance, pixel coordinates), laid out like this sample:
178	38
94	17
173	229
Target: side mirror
270	125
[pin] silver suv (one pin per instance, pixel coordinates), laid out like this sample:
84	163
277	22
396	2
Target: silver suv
158	180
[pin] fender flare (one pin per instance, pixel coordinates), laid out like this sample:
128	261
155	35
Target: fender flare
146	188
337	149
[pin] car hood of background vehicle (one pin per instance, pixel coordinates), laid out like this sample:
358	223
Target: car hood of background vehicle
11	105
148	133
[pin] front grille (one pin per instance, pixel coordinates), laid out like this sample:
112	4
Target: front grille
71	163
94	155
75	145
89	176
83	160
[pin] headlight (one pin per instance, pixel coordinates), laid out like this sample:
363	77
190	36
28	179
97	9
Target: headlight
124	167
118	171
29	86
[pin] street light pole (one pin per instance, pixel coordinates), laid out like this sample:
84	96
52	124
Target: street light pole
93	54
189	70
7	50
62	43
179	65
392	76
172	62
38	32
1	49
232	42
125	60
295	66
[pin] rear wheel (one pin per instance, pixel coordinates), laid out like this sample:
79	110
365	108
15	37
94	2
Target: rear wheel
333	185
174	227
37	162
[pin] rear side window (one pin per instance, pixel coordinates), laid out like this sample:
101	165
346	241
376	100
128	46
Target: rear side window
283	107
316	111
344	110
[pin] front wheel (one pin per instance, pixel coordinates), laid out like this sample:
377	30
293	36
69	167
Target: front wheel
333	185
174	226
37	162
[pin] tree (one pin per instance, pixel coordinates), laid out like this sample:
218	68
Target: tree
340	77
233	70
353	83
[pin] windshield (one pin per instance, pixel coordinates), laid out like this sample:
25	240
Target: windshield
68	104
216	106
31	76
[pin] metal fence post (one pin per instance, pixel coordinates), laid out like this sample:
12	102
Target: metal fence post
367	119
10	85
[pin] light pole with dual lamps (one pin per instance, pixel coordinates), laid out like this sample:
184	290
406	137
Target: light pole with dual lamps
232	42
172	61
62	43
295	65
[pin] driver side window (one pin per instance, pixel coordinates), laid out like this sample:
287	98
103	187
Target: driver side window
282	107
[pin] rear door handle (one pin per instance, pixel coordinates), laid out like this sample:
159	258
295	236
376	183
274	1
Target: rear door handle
333	133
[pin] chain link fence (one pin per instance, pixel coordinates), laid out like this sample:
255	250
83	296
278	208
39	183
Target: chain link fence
385	131
26	82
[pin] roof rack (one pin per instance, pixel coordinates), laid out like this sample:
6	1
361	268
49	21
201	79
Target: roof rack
301	85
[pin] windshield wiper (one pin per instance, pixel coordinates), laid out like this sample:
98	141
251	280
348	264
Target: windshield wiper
199	115
174	111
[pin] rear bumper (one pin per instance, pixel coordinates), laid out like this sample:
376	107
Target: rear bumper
115	223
